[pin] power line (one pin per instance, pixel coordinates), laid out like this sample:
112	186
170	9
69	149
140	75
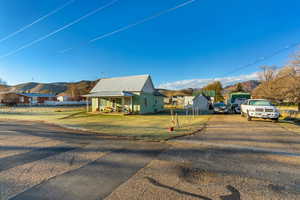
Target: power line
275	53
293	45
36	21
142	21
59	30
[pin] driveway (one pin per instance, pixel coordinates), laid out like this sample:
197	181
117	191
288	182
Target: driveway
231	159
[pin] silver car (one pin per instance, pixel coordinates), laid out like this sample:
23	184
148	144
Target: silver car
220	108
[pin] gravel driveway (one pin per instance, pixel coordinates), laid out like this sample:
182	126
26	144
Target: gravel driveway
232	159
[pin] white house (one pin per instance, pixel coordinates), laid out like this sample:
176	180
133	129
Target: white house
177	100
201	103
62	97
131	94
188	100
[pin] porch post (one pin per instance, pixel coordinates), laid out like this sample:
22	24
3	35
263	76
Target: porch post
99	104
131	103
123	109
87	104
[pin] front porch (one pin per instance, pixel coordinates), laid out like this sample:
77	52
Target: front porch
117	102
114	105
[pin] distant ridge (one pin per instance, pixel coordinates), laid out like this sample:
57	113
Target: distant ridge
248	86
82	87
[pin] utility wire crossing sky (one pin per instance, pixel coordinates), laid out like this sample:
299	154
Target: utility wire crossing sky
142	21
59	30
37	21
202	41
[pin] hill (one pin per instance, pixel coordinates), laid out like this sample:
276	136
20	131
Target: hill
4	88
184	92
248	86
82	87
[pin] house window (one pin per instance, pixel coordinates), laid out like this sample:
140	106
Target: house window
146	103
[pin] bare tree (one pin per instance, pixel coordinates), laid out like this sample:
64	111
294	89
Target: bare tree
9	99
280	85
296	61
217	88
75	93
268	73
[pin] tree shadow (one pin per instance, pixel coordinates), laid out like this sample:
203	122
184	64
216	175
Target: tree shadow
158	184
235	194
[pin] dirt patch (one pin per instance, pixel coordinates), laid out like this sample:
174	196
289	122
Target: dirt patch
197	176
276	188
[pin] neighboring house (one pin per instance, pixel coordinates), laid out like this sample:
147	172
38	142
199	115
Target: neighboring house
188	100
132	94
62	97
167	100
201	103
177	100
35	98
14	98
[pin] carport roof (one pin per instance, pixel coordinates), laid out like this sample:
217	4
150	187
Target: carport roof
36	95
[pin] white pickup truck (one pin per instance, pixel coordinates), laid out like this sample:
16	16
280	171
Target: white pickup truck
259	108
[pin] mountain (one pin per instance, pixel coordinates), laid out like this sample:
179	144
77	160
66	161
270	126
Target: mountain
248	86
82	87
184	92
4	88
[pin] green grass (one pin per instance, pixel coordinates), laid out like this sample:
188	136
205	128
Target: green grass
147	127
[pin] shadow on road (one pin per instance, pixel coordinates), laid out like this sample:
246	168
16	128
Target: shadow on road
234	196
156	183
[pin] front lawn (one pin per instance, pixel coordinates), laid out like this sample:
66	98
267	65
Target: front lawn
147	127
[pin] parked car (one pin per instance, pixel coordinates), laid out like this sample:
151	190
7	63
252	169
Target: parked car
220	108
259	108
236	99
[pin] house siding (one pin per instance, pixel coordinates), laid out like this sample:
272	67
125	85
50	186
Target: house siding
95	104
150	103
201	103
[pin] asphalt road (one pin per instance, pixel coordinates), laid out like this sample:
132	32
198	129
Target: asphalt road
231	159
39	161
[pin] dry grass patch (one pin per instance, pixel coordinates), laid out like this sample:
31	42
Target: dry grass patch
149	127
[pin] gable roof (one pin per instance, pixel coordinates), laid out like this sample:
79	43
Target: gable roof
129	84
202	95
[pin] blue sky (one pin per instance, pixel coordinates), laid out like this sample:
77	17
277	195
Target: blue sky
203	40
